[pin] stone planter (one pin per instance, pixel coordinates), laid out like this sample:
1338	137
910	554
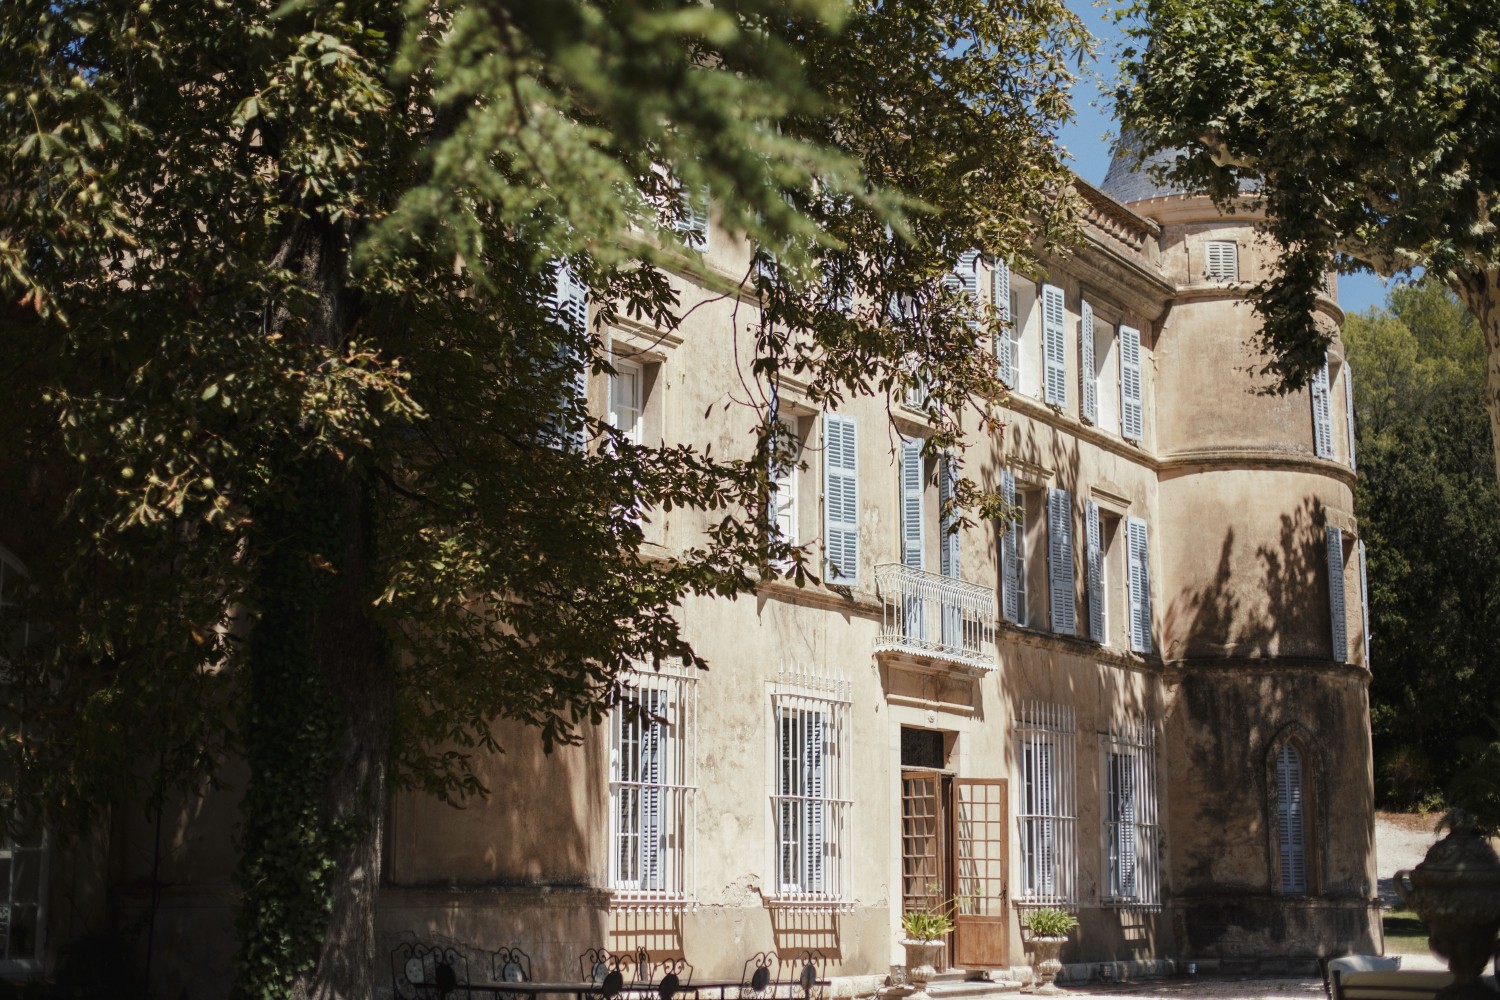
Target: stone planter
1045	963
1456	893
921	957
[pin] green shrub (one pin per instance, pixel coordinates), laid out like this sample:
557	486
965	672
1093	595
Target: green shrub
1049	922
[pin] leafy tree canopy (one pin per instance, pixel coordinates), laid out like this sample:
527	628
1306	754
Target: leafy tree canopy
284	374
1367	126
1430	515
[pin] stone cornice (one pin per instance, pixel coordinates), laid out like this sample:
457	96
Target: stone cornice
1231	459
1036	410
816	595
1070	645
1241	665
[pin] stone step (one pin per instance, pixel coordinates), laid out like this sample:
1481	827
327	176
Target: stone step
975	989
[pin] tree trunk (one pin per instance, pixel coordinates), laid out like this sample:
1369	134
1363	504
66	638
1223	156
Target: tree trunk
318	719
1480	291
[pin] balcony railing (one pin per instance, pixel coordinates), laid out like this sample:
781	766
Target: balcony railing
936	616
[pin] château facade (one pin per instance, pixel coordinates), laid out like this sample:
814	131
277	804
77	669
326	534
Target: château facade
1144	700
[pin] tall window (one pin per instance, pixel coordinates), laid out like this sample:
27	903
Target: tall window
1046	812
784	461
23	857
1025	350
1131	824
627	399
653	779
1014	569
809	798
1291	819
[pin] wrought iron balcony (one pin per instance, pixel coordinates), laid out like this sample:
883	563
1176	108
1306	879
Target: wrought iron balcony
936	616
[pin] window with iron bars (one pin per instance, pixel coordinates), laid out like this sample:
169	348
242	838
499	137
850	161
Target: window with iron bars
809	798
653	781
1046	810
1131	824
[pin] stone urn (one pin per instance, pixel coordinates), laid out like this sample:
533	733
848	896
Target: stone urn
1456	893
921	961
1045	962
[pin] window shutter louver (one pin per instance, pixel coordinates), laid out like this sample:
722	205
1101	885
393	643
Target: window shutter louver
967	273
1060	560
1336	606
1088	387
948	560
1095	555
1223	262
651	782
1000	296
1349	409
569	306
1140	585
947	487
841	499
1322	419
1054	347
814	786
1364	601
1130	384
912	483
1011	608
1290	819
1126	831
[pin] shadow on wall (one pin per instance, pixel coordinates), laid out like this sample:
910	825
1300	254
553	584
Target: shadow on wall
1269	602
796	931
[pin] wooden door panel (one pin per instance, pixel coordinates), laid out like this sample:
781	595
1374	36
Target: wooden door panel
979	854
922	847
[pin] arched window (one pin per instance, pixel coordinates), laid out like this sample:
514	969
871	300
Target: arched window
1291	818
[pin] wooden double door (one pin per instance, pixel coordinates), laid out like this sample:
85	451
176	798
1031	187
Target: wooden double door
953	854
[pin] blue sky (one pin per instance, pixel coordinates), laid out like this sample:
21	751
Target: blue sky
1088	138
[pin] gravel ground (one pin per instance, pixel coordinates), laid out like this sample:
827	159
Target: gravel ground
1401	841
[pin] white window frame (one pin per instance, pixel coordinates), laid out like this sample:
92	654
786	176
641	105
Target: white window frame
1046	805
1130	818
652	807
810	788
784	474
627	398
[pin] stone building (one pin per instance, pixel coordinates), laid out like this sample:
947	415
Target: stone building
1145	702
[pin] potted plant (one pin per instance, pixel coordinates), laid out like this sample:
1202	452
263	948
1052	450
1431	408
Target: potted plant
925	930
1049	932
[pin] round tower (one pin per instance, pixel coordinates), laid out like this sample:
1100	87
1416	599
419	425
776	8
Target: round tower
1268	767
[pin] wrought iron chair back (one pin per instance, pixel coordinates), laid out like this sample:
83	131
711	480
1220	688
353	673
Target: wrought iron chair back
510	965
673	975
609	971
809	974
429	972
759	976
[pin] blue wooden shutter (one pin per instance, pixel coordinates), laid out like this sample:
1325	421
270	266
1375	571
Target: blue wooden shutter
840	499
1322	418
1000	296
966	271
1054	347
1349	409
1289	819
1088	386
1095	556
947	487
569	305
652	751
948	559
1223	260
1364	601
815	805
1130	384
912	483
1060	561
1011	608
1140	585
1125	830
1336	606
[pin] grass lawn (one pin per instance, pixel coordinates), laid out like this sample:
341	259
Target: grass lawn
1404	933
